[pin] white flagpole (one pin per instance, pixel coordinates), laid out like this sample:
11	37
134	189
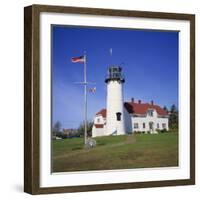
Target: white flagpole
85	83
85	97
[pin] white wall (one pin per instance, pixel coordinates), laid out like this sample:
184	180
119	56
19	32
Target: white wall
114	104
11	101
128	122
96	132
147	119
99	119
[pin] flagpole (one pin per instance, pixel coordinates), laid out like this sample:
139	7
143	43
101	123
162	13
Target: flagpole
85	97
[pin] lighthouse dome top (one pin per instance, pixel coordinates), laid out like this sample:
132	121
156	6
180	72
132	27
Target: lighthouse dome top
114	73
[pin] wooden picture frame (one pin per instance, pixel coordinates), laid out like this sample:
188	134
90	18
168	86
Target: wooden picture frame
32	107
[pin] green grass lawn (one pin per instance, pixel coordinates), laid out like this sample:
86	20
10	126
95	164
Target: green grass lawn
116	152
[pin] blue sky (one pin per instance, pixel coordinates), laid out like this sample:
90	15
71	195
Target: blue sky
150	67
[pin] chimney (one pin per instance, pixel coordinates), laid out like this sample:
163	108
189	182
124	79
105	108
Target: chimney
132	100
139	101
151	102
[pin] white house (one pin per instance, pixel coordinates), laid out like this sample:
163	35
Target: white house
138	117
126	117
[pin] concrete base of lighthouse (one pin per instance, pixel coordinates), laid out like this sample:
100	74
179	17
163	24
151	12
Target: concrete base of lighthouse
115	127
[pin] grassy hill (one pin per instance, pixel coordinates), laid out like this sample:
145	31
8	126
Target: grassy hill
116	152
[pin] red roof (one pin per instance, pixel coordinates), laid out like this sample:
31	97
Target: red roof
141	108
98	125
102	112
138	108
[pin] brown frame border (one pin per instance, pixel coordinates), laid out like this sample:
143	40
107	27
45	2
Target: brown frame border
32	105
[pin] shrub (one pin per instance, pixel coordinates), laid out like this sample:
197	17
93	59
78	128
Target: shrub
158	130
137	132
164	130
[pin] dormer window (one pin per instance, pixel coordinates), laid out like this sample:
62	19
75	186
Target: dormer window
150	113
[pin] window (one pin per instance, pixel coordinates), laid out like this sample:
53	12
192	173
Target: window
118	116
150	113
143	125
151	125
158	126
163	125
136	125
98	120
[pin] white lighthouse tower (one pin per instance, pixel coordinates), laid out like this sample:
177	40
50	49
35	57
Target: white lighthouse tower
115	109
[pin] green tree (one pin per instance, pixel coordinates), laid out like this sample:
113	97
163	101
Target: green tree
81	128
173	109
173	117
165	109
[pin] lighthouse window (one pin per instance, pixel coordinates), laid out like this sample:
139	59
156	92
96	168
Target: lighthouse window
118	116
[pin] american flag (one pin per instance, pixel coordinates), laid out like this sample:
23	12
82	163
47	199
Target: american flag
93	90
80	59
